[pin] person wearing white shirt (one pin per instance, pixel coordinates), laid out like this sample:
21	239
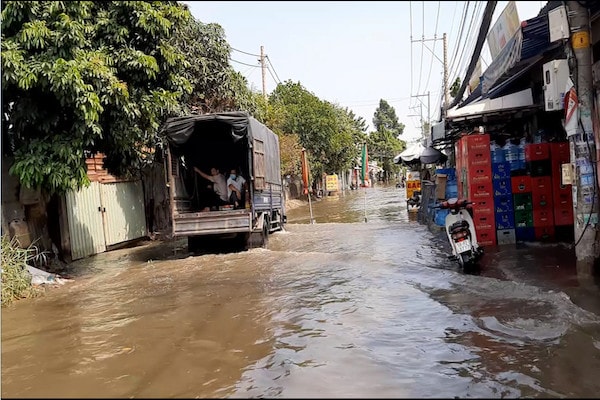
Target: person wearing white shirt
219	186
236	188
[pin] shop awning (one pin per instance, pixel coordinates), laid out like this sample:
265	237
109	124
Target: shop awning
514	101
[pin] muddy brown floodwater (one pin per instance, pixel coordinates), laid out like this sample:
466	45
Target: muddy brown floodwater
338	308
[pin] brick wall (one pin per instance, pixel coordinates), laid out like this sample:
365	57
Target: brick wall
97	173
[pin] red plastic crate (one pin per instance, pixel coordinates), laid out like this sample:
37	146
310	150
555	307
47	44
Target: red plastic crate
478	158
542	201
484	205
521	184
486	237
541	185
480	173
476	142
544	233
543	217
563	197
556	181
537	151
484	220
563	215
479	191
560	152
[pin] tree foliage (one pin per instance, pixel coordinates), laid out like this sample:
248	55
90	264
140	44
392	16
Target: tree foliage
384	142
455	87
385	119
328	132
216	86
88	76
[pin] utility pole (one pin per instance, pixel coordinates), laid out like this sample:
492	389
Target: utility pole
446	101
428	112
585	203
264	71
444	63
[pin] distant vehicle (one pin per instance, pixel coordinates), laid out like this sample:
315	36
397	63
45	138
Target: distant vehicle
224	140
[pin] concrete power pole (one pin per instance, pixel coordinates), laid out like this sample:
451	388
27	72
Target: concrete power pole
585	204
264	71
445	64
446	102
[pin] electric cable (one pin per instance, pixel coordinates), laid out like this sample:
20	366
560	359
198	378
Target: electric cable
243	63
434	42
244	52
275	72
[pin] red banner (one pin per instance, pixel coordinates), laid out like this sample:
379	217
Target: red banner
305	173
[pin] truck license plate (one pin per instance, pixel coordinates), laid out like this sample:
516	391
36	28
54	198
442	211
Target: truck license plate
463	246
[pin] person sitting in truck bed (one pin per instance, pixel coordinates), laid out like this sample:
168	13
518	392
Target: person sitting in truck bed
236	189
218	197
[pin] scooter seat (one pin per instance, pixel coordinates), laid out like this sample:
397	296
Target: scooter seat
459	226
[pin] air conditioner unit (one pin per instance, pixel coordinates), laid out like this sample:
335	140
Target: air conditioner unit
556	75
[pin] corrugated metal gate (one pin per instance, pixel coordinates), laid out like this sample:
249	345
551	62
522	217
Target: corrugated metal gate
104	214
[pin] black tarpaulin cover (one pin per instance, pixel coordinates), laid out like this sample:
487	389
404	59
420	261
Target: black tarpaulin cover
179	129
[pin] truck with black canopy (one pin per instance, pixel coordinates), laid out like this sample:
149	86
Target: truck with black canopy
227	140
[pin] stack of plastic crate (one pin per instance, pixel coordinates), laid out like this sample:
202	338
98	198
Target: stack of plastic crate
476	184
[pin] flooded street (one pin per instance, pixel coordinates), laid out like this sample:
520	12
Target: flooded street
338	308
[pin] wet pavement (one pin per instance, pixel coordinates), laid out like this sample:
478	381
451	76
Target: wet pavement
338	308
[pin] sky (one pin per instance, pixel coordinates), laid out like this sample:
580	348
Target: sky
354	53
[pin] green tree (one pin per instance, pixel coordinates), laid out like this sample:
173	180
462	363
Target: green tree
216	85
455	87
385	119
327	131
384	142
88	76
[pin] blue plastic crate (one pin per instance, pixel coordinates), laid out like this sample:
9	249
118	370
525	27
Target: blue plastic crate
502	187
449	172
503	203
505	220
440	217
451	190
501	170
525	234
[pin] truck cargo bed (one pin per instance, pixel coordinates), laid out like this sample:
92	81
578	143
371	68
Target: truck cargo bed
212	222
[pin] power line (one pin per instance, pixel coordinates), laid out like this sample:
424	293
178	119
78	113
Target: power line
459	40
243	63
411	49
272	76
434	42
473	38
422	48
245	52
271	64
483	30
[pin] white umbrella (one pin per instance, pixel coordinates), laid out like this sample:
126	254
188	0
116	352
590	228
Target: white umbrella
412	153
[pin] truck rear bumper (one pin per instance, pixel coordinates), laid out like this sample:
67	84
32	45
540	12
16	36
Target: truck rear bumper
212	222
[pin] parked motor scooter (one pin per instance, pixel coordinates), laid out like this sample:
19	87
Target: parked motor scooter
414	201
461	232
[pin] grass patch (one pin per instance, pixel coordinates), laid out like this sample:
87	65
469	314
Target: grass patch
16	280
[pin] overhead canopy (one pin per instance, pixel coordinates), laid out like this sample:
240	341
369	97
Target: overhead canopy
432	156
481	107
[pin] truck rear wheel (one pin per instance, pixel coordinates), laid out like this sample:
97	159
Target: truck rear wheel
259	239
